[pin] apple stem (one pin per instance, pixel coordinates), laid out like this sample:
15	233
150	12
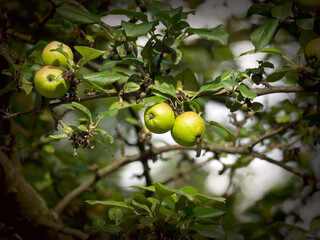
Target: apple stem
199	145
151	116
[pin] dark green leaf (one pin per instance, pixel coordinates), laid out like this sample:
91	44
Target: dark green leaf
218	34
207	212
113	229
137	30
276	76
256	106
76	15
104	79
154	7
260	9
210	231
263	35
186	80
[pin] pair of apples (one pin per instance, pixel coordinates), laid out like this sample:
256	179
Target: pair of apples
48	80
187	129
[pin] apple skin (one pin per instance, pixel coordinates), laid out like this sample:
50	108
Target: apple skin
308	5
188	129
312	53
159	118
54	58
49	82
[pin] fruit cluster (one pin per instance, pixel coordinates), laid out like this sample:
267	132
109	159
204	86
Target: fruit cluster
48	80
187	129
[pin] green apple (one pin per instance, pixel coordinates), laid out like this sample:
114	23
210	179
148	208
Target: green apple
188	129
312	53
49	82
309	5
159	118
54	58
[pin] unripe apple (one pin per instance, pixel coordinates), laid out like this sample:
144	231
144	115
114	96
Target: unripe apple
159	118
54	58
49	82
312	53
188	129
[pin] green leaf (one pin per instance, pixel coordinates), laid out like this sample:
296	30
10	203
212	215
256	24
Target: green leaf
104	79
137	30
186	80
113	229
115	214
204	198
108	64
108	113
305	23
150	101
149	188
83	128
276	76
256	106
39	46
129	13
207	212
266	50
281	12
260	9
217	83
283	119
218	34
164	85
60	136
131	87
104	133
246	92
163	191
154	7
263	35
82	108
210	231
110	203
89	53
76	15
231	135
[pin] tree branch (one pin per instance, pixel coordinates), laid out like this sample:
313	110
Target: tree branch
284	166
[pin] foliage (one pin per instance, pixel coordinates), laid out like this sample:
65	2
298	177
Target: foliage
64	147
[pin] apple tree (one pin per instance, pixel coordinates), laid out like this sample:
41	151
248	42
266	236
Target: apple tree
82	100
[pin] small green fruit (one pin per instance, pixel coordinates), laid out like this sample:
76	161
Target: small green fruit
49	82
54	58
159	118
188	129
312	53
